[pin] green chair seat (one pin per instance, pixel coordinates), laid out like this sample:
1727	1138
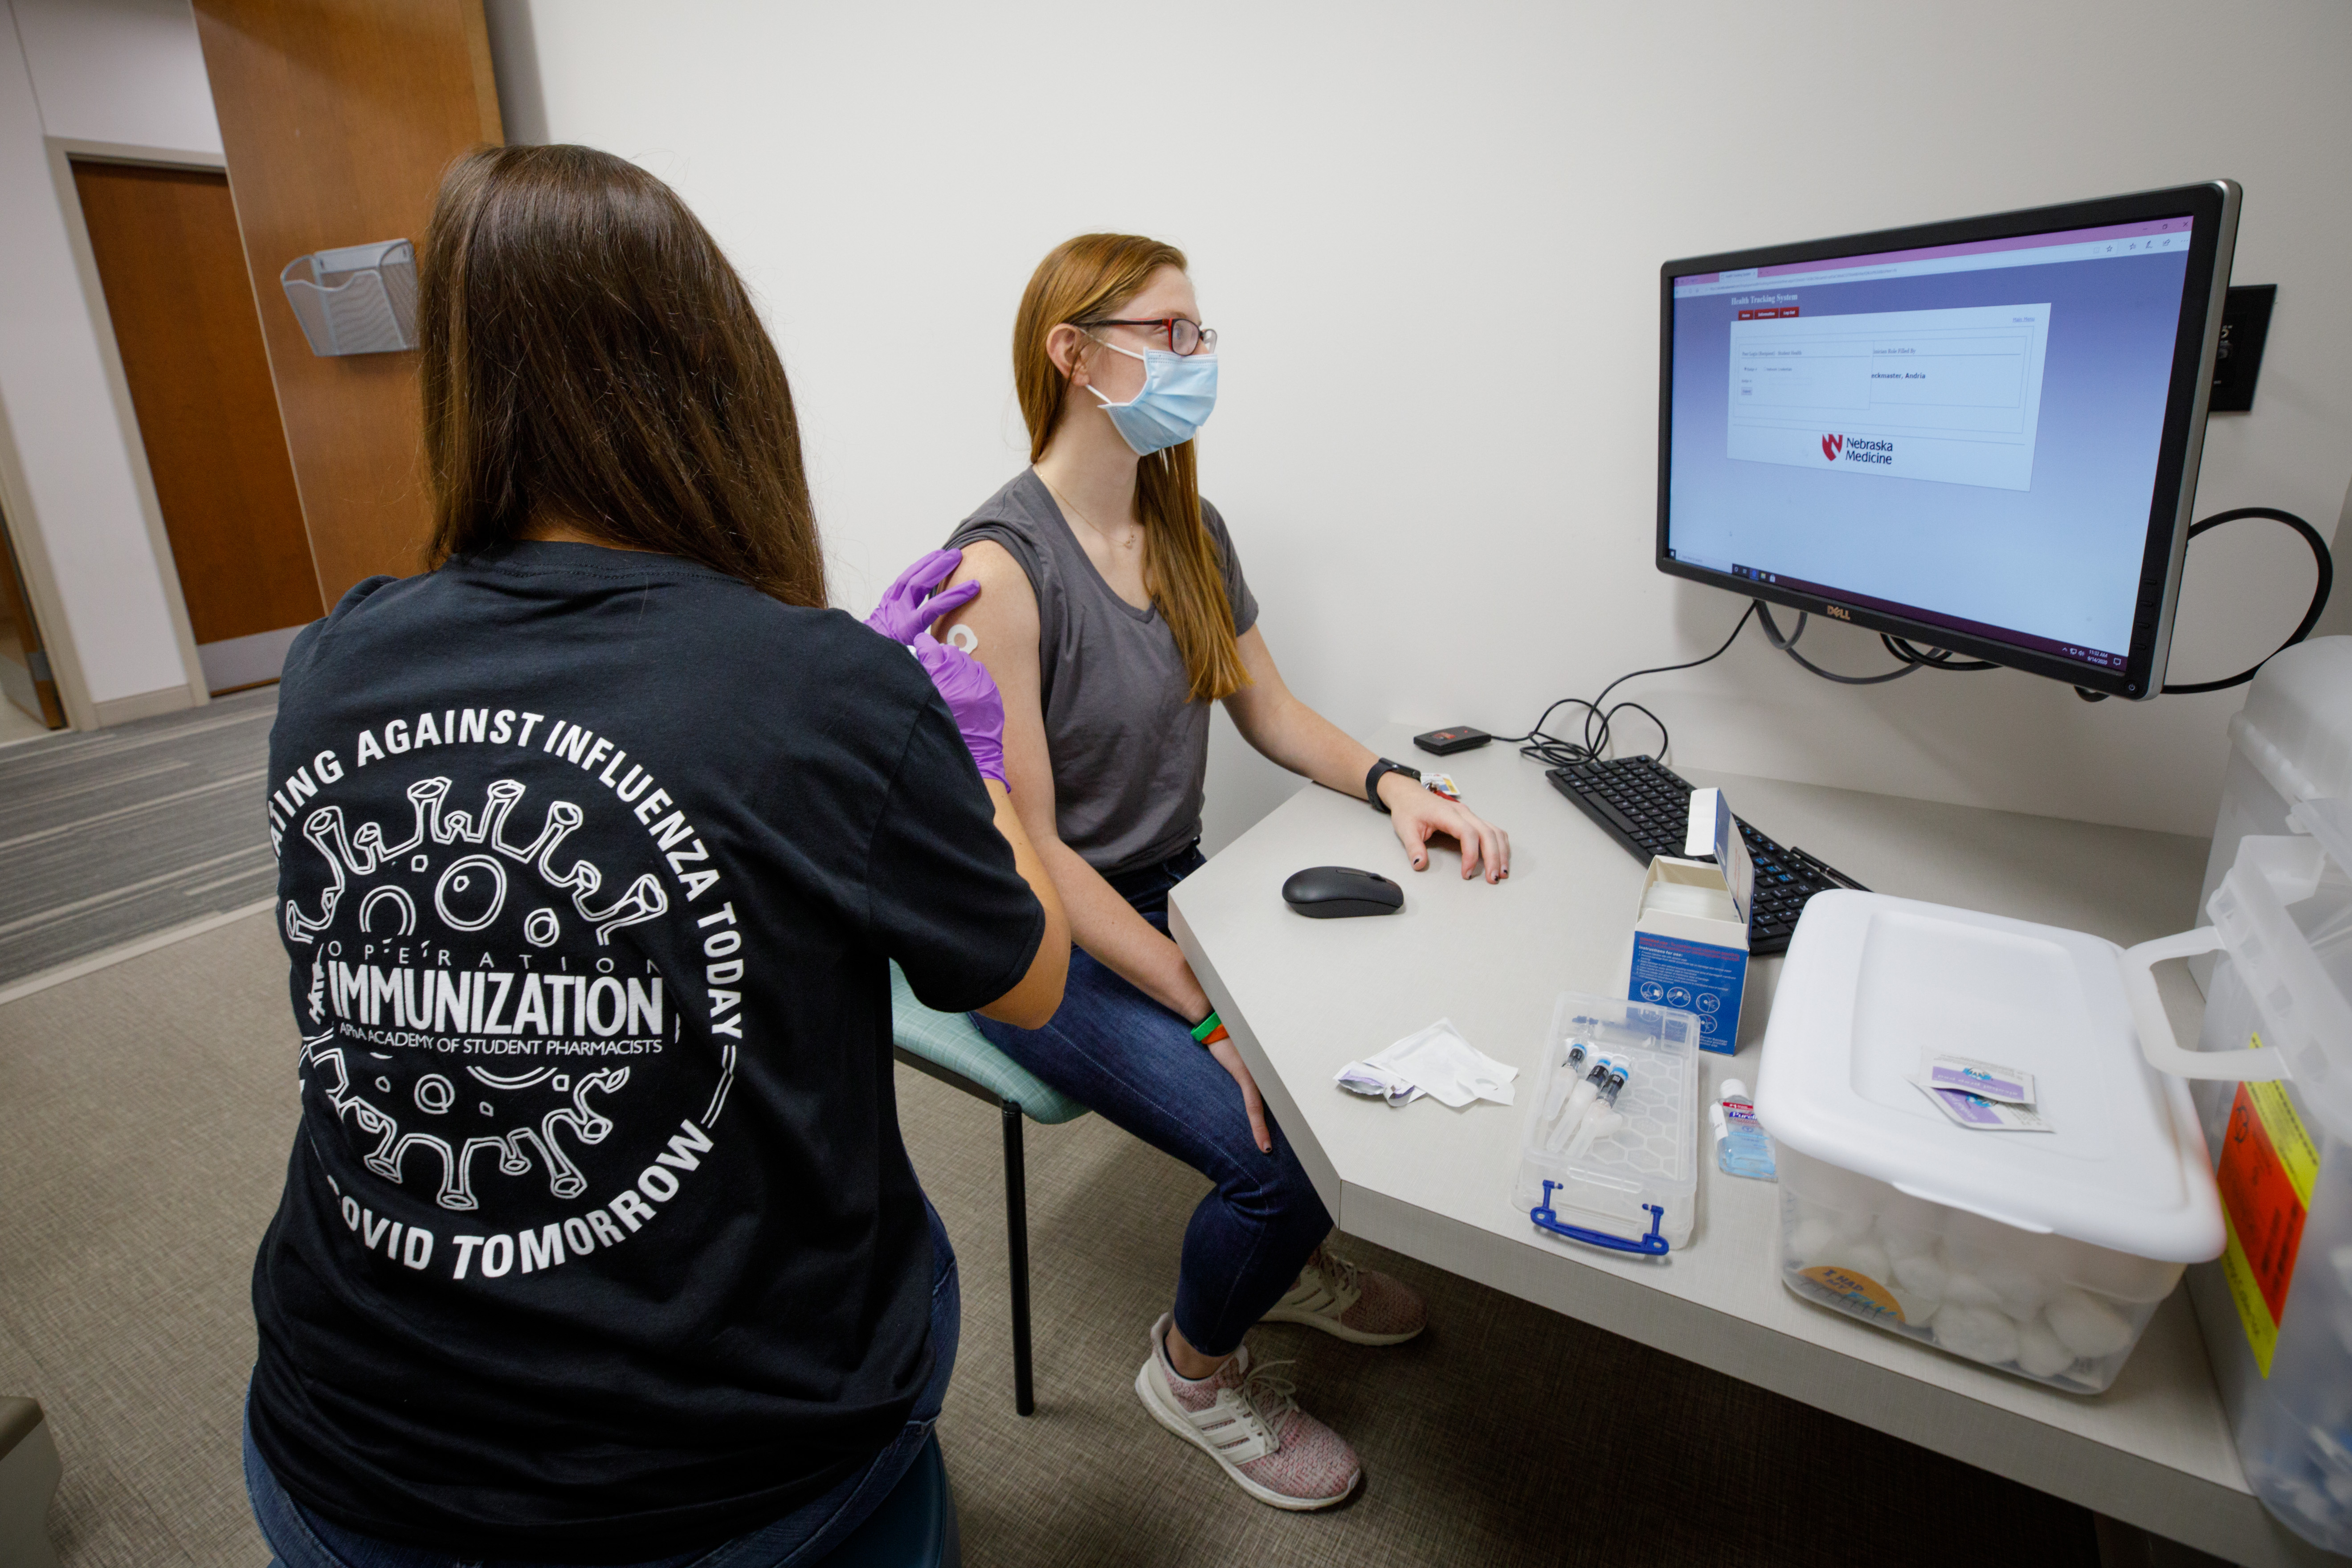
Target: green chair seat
945	1045
948	1040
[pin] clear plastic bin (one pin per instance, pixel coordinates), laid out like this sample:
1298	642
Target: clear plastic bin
2043	1254
2059	1311
1637	1189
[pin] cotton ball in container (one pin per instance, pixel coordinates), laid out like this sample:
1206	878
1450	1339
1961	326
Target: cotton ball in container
1916	1306
2088	1327
1965	1289
1907	1240
1978	1332
1922	1275
1861	1257
2022	1290
1808	1238
1855	1223
1908	1226
2039	1351
1796	1211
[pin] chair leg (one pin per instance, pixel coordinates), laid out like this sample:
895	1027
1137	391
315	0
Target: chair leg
1016	1240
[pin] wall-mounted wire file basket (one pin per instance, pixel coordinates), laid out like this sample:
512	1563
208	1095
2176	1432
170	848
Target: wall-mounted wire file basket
359	299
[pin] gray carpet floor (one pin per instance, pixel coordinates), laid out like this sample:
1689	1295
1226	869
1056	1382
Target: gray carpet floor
118	834
145	1114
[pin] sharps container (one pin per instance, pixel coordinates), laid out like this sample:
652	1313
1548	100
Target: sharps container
2042	1253
2291	741
2277	1053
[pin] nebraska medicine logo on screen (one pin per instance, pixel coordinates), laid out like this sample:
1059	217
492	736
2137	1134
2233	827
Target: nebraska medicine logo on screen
1856	449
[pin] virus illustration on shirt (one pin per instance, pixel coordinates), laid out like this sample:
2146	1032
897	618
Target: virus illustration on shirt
466	1012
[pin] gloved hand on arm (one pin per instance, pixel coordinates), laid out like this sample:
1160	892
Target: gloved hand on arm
908	605
972	699
906	615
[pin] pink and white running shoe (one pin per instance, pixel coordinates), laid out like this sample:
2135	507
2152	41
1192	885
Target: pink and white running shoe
1249	1422
1362	1306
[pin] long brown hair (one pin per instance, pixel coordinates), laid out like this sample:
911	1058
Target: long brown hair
1085	279
589	357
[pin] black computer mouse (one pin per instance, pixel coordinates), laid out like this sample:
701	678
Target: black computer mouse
1330	892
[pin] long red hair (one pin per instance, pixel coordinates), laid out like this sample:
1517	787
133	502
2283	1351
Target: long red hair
1086	279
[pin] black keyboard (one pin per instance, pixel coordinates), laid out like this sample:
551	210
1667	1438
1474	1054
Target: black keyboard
1645	806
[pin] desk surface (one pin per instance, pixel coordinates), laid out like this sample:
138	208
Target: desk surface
1302	997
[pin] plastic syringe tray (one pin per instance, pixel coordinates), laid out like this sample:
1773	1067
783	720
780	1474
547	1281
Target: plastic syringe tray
1636	1190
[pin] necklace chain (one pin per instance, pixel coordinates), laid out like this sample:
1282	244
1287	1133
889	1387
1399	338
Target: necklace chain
1126	543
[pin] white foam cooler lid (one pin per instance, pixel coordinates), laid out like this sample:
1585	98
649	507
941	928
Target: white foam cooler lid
1873	987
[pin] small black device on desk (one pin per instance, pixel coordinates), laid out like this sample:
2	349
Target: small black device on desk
1333	892
1645	806
1452	739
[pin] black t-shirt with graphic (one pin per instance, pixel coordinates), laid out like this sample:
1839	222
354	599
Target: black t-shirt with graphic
599	1240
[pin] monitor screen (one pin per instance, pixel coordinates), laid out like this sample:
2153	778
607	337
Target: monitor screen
1979	436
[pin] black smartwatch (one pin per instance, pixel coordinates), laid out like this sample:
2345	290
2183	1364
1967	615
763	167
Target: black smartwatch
1372	782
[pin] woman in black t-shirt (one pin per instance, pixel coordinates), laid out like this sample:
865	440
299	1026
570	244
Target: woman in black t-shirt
599	1243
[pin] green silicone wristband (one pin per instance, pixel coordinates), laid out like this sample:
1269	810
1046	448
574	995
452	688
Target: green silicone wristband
1206	1026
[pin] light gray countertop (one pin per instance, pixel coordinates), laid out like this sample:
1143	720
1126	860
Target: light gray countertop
1302	997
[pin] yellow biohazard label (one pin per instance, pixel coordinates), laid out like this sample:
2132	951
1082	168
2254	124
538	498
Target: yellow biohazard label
2268	1167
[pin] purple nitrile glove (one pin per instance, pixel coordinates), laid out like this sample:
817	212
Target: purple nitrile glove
909	605
972	699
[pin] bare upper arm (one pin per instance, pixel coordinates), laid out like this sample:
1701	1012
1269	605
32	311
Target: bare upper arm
1257	703
1005	620
1005	616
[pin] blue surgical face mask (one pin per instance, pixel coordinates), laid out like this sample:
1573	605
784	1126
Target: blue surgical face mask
1179	392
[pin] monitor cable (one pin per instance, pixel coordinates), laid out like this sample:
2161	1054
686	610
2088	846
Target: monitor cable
1559	752
1912	658
2320	589
1594	736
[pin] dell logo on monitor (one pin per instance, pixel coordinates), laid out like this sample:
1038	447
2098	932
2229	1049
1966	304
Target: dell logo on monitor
1840	610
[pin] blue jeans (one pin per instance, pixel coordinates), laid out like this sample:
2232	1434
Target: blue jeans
1121	1053
302	1539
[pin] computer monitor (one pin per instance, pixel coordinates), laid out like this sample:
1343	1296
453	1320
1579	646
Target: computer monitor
1979	436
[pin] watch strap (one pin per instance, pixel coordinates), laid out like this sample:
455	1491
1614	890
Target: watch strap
1372	782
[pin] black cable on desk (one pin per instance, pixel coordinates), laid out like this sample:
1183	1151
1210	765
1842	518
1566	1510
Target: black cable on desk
1558	752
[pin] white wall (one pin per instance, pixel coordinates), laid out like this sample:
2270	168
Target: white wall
117	72
1430	235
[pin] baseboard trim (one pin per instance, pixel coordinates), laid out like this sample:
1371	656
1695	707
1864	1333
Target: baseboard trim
114	955
144	705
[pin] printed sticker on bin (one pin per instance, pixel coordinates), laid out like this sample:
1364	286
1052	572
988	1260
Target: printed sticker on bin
1984	1078
1979	1114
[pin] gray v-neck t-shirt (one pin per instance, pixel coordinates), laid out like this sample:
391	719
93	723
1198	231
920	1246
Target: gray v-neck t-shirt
1130	749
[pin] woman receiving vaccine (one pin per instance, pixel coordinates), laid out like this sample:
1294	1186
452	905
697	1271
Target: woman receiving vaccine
1113	612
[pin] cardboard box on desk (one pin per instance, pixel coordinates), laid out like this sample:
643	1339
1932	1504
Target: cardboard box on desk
1690	931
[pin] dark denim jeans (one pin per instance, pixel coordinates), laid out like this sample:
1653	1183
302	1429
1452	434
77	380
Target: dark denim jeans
1132	1061
302	1539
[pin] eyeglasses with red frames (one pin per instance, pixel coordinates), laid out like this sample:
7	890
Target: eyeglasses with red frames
1182	336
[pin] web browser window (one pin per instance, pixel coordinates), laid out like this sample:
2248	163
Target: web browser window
1966	436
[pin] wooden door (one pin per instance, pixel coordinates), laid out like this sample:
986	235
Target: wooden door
24	678
174	270
339	117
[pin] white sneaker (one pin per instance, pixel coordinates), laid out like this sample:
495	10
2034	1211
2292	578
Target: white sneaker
1362	1306
1248	1422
